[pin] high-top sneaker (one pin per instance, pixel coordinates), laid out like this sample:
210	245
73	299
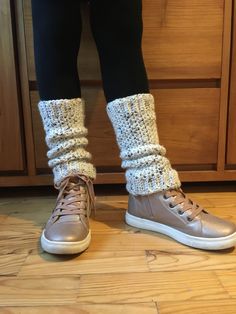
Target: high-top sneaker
67	230
172	213
149	172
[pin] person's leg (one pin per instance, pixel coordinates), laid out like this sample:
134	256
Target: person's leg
57	34
57	29
156	201
117	30
117	27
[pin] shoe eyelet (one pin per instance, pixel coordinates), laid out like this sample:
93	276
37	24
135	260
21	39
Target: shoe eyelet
164	197
180	212
171	205
189	219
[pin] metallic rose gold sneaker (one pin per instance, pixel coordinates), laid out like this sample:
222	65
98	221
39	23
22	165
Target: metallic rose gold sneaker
172	213
67	230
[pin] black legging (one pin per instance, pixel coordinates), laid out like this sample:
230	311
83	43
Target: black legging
117	29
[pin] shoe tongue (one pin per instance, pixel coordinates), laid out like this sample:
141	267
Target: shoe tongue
74	187
73	217
77	179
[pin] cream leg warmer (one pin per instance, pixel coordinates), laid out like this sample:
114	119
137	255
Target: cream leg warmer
63	122
134	122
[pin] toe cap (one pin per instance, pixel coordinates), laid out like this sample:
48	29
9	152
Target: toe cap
215	227
66	232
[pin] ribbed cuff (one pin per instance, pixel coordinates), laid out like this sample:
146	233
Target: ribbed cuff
144	181
71	168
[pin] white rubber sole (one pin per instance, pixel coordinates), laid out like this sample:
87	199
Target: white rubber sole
56	247
196	242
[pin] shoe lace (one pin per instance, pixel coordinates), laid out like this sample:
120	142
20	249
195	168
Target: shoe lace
186	203
71	199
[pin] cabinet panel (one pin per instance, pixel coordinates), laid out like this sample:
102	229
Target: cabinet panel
187	121
181	40
11	154
188	124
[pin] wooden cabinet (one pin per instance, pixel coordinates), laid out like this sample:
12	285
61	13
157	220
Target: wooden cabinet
187	49
11	137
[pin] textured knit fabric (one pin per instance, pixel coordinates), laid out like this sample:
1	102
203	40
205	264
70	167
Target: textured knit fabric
134	122
63	121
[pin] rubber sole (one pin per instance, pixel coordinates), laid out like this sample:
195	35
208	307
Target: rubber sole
56	247
196	242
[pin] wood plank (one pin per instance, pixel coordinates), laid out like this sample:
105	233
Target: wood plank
10	264
149	287
38	291
228	281
96	262
140	240
20	243
100	262
226	306
168	260
144	308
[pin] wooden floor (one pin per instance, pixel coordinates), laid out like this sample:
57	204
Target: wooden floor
125	270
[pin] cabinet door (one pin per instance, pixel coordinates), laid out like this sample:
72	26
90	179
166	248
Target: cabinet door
11	155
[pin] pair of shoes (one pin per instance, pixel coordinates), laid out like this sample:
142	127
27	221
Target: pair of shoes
172	213
67	230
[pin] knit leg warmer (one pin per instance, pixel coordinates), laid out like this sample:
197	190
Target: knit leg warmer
63	122
134	122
